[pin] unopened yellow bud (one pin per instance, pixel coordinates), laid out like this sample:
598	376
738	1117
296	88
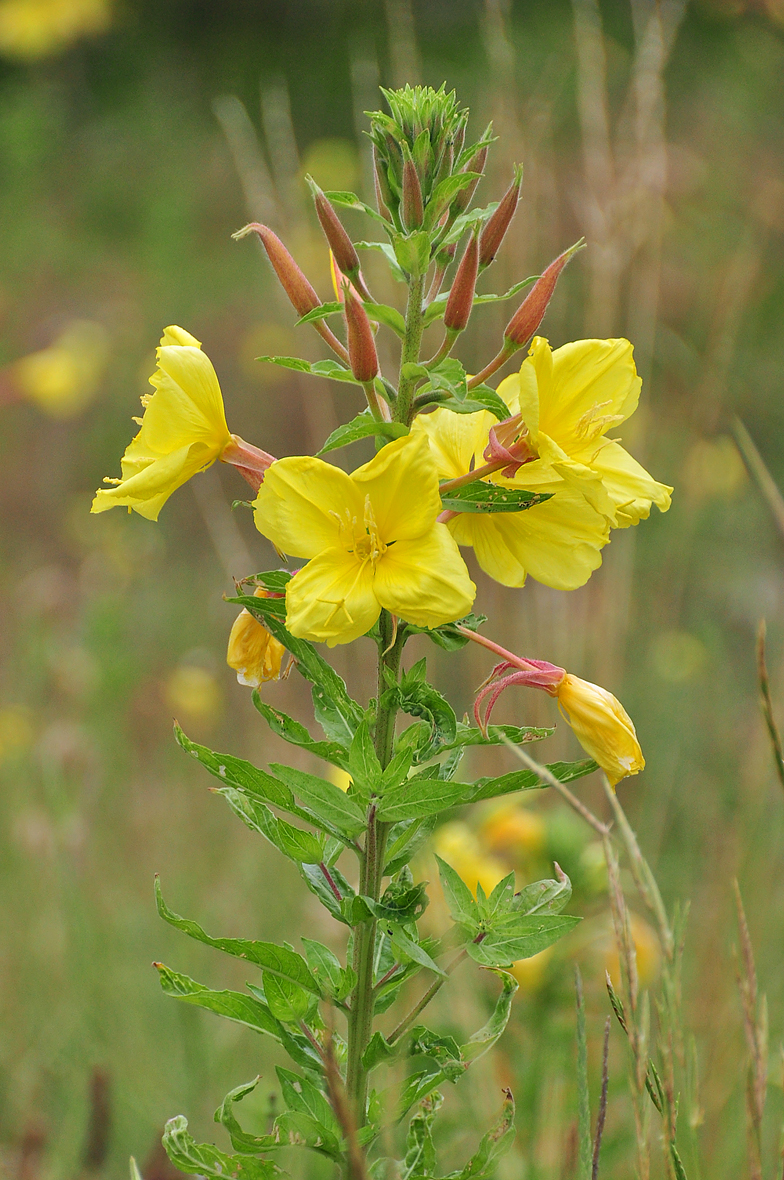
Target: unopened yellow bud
254	654
602	726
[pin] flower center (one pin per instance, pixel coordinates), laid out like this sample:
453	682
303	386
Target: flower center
363	539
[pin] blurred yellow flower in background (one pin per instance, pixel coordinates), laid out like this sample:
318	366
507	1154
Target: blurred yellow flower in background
371	539
339	778
456	843
192	693
557	542
16	730
513	831
531	973
183	429
63	378
31	29
646	946
253	652
569	398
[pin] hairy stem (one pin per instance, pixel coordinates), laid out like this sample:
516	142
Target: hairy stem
411	344
421	1004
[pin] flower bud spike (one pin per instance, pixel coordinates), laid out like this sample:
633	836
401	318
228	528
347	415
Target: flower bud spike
251	462
339	242
495	230
413	208
461	296
525	322
383	191
302	295
363	357
466	195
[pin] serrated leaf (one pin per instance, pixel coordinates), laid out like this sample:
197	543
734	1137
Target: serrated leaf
529	780
417	798
278	960
482	497
202	1159
297	735
529	935
459	899
364	425
324	799
296	844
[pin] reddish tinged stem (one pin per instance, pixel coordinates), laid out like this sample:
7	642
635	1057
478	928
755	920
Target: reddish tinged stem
328	878
495	364
460	481
496	648
251	462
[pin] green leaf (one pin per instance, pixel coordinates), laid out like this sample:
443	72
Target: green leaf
328	368
480	496
519	937
420	1160
277	960
400	903
363	764
405	839
444	194
320	313
202	1159
420	797
544	897
529	780
236	772
389	316
335	981
443	1051
325	800
296	844
386	249
437	308
363	426
459	899
297	735
314	878
407	948
241	1140
493	1146
286	1001
234	1006
419	699
351	201
378	1052
133	1169
469	735
337	714
275	581
412	252
303	1098
481	398
449	376
484	1039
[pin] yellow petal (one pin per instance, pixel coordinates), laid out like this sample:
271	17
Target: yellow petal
520	391
583	388
306	505
630	486
602	726
187	405
331	600
254	654
175	335
454	438
148	489
402	483
425	580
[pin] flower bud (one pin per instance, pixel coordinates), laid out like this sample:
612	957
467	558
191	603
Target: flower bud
602	726
383	191
524	323
361	345
292	280
495	230
251	462
461	296
254	654
412	206
466	195
339	242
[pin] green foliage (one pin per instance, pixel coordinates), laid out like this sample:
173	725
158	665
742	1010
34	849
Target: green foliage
363	426
481	496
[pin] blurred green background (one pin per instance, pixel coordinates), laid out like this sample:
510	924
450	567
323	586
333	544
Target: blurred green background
134	139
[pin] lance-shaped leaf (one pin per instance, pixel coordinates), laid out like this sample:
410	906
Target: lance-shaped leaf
324	799
482	397
378	1052
481	497
363	764
242	1141
407	948
437	308
519	936
447	636
234	1006
287	1002
335	981
297	735
420	1160
364	425
298	845
529	780
327	890
303	1097
417	798
277	960
442	1051
494	1144
202	1159
484	1039
459	898
386	249
544	897
327	368
405	839
351	201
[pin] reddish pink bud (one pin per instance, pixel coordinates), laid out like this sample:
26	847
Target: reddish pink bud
339	242
494	232
508	442
461	296
381	185
529	315
361	345
465	196
251	462
413	209
292	280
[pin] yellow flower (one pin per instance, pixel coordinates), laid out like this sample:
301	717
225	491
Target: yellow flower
558	542
182	432
456	843
602	726
254	654
569	399
371	540
31	29
513	830
61	379
647	949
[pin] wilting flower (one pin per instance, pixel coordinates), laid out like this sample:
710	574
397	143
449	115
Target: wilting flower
63	378
371	539
557	542
569	398
183	431
601	724
253	652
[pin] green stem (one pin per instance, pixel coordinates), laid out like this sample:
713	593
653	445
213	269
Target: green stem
360	1023
415	324
420	1006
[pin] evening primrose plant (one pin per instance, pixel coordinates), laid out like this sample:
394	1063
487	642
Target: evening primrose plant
526	475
